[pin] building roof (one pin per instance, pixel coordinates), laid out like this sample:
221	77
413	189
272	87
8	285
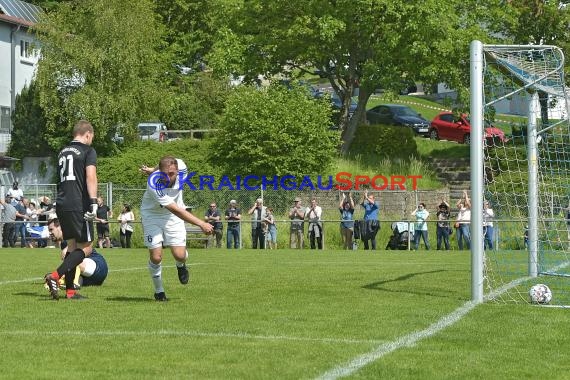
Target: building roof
19	12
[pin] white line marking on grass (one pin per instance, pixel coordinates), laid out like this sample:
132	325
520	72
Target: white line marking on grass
187	334
411	339
112	270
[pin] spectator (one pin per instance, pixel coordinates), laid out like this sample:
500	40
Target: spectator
525	236
233	216
488	215
270	229
8	219
32	217
443	229
313	214
463	221
44	210
346	208
15	192
421	227
371	224
21	216
257	212
126	217
297	215
214	217
102	220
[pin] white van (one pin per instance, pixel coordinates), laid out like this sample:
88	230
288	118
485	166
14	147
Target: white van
153	131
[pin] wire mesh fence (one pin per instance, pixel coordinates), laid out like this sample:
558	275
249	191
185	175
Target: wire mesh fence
394	207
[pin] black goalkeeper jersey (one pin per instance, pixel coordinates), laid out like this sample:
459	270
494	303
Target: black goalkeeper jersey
72	162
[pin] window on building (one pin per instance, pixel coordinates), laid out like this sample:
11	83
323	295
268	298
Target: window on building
26	49
4	119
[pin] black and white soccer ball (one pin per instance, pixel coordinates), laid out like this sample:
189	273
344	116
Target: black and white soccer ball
540	294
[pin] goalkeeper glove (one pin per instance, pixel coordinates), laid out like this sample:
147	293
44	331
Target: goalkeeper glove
92	213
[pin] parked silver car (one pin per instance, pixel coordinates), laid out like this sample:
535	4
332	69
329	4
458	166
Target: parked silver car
153	131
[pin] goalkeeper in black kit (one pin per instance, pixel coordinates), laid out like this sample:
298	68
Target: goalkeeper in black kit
76	206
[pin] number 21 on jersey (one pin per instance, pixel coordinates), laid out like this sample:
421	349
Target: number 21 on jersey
66	168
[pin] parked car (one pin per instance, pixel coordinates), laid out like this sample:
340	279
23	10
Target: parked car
153	131
447	126
397	114
337	104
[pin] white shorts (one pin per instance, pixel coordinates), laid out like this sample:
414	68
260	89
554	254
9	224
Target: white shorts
90	267
164	232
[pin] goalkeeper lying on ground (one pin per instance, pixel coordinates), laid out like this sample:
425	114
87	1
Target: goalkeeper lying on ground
92	270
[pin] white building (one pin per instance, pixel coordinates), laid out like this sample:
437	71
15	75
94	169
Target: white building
18	58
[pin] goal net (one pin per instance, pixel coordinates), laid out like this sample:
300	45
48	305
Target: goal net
527	174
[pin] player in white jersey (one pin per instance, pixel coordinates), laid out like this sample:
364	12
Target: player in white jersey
163	215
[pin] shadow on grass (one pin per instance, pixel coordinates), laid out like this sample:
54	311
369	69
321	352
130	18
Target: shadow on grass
130	299
378	285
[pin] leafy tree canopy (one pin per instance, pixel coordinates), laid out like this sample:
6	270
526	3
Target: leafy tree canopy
101	61
366	44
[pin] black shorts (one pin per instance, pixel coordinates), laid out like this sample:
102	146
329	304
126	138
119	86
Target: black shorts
102	230
74	226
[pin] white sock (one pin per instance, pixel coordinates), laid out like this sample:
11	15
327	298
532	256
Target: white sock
155	271
180	264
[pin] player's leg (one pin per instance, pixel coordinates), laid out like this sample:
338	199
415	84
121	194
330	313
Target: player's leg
153	234
175	238
78	234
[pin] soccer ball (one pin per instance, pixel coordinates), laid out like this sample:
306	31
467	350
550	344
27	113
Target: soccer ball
540	294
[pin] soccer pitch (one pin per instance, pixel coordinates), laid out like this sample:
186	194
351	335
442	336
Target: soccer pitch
274	315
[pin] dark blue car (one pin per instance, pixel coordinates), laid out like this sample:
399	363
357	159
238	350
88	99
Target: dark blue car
400	115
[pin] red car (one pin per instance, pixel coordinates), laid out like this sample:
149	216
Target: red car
446	126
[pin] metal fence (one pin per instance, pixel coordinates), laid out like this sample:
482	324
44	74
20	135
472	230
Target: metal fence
394	206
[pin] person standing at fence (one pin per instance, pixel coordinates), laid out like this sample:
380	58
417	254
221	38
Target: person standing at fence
270	229
9	225
488	226
463	221
126	217
163	214
346	208
214	217
233	216
21	216
45	209
297	215
421	227
75	205
102	219
313	214
257	212
371	224
443	229
15	192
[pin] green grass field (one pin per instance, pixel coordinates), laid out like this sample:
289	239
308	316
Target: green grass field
274	315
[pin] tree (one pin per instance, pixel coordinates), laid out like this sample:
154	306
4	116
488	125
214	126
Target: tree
28	135
102	61
365	44
273	131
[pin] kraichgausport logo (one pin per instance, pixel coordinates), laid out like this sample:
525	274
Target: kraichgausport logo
343	181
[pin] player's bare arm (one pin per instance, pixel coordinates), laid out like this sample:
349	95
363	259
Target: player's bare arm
207	228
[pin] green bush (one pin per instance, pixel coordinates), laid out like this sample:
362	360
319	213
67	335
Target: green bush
124	168
274	131
384	141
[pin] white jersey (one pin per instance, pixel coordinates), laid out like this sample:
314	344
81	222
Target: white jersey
156	198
